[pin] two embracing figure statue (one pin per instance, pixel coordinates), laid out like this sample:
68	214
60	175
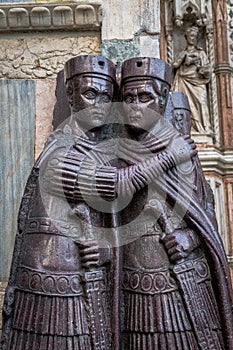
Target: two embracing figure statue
117	245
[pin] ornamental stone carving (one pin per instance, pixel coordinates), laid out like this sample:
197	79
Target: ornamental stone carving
31	17
192	74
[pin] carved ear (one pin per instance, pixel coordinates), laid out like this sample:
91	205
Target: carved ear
69	92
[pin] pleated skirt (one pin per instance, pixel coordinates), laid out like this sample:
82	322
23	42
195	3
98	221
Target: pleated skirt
49	323
156	322
168	320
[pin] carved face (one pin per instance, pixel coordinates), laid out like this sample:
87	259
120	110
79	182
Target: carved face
94	94
182	121
144	102
191	37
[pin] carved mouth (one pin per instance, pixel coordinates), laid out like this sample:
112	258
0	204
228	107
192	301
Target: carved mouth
97	116
136	117
135	120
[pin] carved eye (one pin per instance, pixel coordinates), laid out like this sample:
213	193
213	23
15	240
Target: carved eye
89	94
69	90
164	91
128	99
106	98
145	98
179	116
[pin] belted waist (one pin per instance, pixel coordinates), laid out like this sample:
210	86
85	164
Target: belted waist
135	230
58	284
48	283
148	282
47	225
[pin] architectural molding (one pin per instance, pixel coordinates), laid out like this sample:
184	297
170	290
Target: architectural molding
223	68
215	161
192	8
49	16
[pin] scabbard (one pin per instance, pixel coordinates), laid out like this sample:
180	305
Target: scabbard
98	312
193	277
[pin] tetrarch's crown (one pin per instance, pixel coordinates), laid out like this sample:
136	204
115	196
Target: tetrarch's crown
180	100
85	64
146	67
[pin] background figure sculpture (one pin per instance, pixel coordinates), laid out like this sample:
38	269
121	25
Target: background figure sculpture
181	113
192	74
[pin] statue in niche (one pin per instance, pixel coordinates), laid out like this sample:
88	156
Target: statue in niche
74	241
192	74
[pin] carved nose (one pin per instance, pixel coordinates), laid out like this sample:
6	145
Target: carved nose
135	105
98	100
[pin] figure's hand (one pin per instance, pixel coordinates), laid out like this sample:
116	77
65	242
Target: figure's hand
204	71
180	243
183	149
192	58
179	59
89	253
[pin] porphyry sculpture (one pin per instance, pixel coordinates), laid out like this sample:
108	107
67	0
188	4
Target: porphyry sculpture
91	275
170	299
56	287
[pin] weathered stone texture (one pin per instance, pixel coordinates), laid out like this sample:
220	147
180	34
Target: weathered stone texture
135	30
42	57
119	50
45	100
126	18
2	292
17	128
